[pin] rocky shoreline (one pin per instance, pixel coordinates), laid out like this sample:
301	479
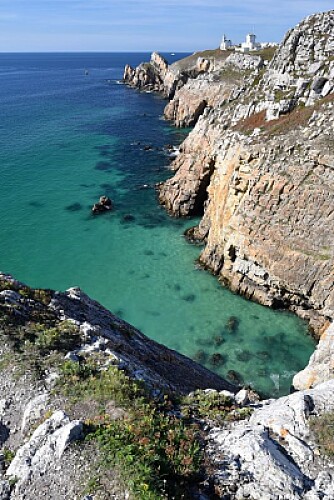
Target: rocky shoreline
258	166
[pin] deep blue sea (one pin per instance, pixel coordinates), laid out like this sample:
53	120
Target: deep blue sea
66	138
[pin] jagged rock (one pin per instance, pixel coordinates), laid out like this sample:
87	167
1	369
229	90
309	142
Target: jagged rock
244	61
321	365
269	456
104	205
34	411
127	347
202	65
242	397
3	406
151	76
46	445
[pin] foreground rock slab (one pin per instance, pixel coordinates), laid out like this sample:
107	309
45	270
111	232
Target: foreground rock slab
272	456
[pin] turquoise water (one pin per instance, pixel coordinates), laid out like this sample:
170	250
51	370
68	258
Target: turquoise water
66	139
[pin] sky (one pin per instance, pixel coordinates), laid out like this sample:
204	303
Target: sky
145	25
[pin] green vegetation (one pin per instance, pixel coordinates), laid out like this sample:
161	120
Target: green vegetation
157	449
213	406
230	74
35	347
258	77
156	444
267	54
39	295
42	338
188	63
8	456
323	429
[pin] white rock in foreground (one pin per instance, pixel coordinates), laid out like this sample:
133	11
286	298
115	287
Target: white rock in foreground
34	411
271	456
46	445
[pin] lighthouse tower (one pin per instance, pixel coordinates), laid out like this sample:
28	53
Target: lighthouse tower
225	43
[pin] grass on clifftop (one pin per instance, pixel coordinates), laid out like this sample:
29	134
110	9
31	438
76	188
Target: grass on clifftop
156	450
189	62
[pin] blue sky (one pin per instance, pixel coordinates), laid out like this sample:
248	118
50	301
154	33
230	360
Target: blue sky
144	25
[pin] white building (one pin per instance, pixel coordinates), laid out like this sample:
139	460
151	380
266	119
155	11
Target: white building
225	43
250	43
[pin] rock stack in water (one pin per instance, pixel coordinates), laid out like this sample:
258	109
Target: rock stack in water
103	205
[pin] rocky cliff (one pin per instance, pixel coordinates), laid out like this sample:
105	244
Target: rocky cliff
87	401
259	164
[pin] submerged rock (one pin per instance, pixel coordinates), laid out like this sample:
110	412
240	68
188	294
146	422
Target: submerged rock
232	324
218	340
244	355
234	377
200	356
217	359
128	218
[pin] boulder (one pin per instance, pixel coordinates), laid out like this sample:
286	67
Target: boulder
46	445
104	204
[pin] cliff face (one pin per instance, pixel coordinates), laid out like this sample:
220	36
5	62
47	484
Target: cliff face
269	218
267	186
213	87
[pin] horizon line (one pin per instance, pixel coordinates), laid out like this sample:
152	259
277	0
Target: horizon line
98	51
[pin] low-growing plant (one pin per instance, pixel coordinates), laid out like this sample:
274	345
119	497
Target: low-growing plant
159	452
156	449
323	429
8	456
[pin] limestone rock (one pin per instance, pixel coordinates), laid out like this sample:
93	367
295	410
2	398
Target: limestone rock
34	411
46	445
271	456
321	365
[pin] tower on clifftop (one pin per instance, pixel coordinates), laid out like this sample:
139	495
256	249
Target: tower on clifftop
225	43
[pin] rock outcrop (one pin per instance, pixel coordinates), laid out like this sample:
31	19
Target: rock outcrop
47	443
147	76
103	205
266	187
321	365
273	455
158	76
212	88
121	343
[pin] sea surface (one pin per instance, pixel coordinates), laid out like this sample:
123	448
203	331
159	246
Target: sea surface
70	132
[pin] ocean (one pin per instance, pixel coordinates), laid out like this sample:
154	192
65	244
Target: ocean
71	132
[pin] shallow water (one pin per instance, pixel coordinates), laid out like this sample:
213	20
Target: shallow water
66	139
